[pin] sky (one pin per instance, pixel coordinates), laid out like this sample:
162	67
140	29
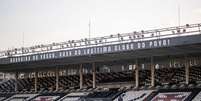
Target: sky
33	22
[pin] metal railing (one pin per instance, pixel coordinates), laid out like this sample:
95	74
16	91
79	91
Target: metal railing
188	29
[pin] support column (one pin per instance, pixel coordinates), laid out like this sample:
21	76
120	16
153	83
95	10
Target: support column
36	81
94	75
57	79
4	76
16	80
187	65
152	72
136	74
81	76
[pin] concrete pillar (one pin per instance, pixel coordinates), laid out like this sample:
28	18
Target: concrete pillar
94	75
136	74
57	79
16	80
36	81
152	72
66	71
81	76
187	65
4	76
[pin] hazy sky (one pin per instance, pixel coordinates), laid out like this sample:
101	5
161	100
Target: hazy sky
48	21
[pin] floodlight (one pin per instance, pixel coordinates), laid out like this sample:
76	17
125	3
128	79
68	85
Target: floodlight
178	30
96	41
85	42
187	25
122	38
135	32
142	31
173	32
184	30
152	35
134	36
130	37
118	34
89	42
62	46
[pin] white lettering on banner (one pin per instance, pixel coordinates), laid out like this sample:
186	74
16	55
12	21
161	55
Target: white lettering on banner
159	43
94	50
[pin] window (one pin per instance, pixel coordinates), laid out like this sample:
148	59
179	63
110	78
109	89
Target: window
155	43
123	46
132	45
84	51
75	52
53	56
11	60
109	48
21	59
70	53
47	56
24	58
164	42
41	56
88	51
95	50
159	42
98	50
18	59
27	59
36	57
92	51
143	45
79	52
44	56
127	46
50	56
104	49
138	45
116	48
60	54
64	53
101	49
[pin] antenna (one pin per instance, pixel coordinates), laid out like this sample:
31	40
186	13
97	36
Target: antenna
89	34
179	14
23	39
89	28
